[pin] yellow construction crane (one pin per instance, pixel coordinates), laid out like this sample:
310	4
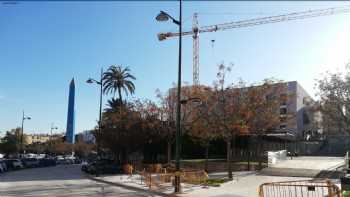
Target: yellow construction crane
196	30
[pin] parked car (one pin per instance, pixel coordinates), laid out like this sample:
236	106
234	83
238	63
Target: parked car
60	160
2	169
3	166
30	162
70	159
104	166
77	161
84	166
13	164
47	162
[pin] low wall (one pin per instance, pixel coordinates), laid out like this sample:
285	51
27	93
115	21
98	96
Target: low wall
221	166
332	146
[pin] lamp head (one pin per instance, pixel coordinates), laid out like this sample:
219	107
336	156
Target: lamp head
90	80
162	16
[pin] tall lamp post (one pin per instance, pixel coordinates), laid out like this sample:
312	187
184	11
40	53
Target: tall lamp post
23	119
52	128
90	80
163	16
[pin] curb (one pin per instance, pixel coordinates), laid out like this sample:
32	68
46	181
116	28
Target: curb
128	186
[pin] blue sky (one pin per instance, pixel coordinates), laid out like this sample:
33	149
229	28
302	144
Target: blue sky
45	44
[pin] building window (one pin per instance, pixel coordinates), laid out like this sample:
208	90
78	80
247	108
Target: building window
283	99
283	119
283	126
270	97
306	100
283	111
306	119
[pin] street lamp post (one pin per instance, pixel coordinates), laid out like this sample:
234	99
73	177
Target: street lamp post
23	118
52	128
90	80
163	16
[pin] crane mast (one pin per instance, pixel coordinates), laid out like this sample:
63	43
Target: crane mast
196	30
195	36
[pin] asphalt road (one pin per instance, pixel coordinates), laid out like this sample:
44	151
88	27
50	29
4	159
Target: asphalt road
58	181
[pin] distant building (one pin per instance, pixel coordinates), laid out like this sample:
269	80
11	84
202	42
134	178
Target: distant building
39	138
70	133
297	114
36	138
299	108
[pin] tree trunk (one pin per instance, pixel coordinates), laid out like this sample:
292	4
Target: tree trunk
168	152
248	150
206	157
123	156
120	95
228	158
260	151
233	151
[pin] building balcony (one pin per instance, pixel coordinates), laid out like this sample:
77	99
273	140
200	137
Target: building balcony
283	106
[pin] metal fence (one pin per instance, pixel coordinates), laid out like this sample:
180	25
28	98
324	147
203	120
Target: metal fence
157	180
308	188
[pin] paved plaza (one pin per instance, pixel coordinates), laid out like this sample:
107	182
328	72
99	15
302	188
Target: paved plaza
58	181
245	184
316	167
313	163
68	180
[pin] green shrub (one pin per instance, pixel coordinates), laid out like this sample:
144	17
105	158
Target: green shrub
216	182
346	194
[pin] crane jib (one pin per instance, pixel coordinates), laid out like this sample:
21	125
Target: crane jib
259	21
245	23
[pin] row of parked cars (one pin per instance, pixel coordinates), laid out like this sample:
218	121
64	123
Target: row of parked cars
16	164
10	164
101	166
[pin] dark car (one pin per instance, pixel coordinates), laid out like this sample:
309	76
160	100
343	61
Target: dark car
3	166
84	166
77	161
46	162
30	162
103	167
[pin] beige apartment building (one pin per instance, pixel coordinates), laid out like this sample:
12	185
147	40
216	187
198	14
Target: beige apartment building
298	116
39	138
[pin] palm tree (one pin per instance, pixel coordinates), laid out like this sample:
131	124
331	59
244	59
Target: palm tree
113	105
116	79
